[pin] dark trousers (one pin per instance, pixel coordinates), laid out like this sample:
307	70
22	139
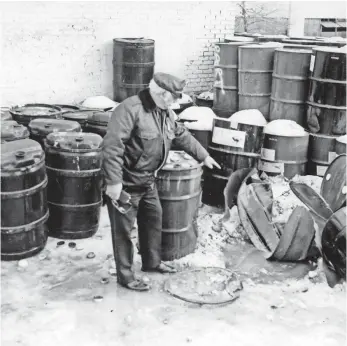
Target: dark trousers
147	209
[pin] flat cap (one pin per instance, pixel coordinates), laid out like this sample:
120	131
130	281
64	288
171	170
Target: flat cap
170	83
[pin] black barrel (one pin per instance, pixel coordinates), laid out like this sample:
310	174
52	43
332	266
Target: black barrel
97	122
12	131
326	103
133	66
225	91
41	128
255	76
24	210
73	163
179	189
234	146
24	114
290	84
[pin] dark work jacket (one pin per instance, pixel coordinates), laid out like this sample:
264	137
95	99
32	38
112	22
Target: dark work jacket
138	140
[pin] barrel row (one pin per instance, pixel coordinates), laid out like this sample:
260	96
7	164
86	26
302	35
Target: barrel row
55	192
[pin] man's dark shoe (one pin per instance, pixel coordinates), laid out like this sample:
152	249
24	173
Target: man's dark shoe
161	268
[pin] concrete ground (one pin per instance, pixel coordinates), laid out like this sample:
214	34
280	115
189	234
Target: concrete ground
50	302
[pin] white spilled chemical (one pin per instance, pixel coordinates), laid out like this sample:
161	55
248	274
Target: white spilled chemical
99	102
249	117
183	100
195	113
198	118
284	200
342	139
283	127
206	95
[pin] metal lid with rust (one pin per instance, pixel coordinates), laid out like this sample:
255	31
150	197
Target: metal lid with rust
68	141
81	115
334	185
20	154
36	110
179	160
12	131
43	127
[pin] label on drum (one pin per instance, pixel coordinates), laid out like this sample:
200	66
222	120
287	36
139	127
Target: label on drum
268	154
313	58
332	156
321	170
271	167
233	124
229	137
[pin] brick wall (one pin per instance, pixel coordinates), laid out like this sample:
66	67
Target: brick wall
62	51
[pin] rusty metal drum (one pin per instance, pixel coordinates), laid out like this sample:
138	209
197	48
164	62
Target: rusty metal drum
73	163
326	102
97	122
12	131
290	85
24	209
179	189
41	128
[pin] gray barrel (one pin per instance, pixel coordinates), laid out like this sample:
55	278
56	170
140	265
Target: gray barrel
97	122
24	210
133	66
255	77
225	98
73	163
326	102
290	85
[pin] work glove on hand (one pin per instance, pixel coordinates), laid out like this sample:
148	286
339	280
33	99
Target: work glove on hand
114	191
209	162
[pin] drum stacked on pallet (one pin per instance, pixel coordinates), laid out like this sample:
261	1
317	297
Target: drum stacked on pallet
179	189
284	150
73	163
326	106
290	85
24	210
236	144
255	76
225	98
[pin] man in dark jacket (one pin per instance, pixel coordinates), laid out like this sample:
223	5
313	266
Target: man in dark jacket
135	147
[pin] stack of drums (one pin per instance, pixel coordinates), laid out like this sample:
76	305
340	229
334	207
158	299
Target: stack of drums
23	115
326	106
41	128
255	76
284	150
12	131
290	85
24	210
73	164
179	189
225	98
235	145
133	66
97	122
